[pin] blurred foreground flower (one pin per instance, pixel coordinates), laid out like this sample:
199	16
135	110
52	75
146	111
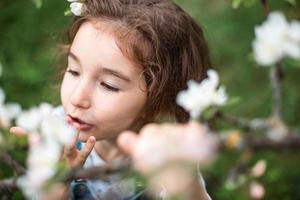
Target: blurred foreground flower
276	38
160	151
31	119
200	96
49	134
156	146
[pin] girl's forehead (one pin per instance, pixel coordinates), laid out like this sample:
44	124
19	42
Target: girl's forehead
96	47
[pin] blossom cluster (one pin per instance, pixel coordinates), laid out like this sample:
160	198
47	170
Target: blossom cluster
275	39
200	96
47	133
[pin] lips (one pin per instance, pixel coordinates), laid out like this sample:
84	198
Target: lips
78	123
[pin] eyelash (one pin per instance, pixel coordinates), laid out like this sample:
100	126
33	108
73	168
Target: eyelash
72	72
109	87
106	86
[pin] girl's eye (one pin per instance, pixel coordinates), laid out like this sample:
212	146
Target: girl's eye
73	72
109	87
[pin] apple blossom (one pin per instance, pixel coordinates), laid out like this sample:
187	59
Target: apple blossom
200	96
77	8
257	191
276	38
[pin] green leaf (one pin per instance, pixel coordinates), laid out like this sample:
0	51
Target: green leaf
210	112
232	102
68	12
293	2
236	3
249	3
38	3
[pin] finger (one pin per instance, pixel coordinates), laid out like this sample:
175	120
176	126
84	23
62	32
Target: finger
87	149
18	131
127	141
70	151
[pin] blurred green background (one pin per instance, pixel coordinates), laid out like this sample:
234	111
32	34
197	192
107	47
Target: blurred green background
28	54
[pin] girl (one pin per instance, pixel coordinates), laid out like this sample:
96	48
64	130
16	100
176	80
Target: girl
127	60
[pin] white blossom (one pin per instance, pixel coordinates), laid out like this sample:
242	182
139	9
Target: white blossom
55	128
257	191
276	38
200	96
41	166
259	168
29	120
45	148
7	111
32	118
77	8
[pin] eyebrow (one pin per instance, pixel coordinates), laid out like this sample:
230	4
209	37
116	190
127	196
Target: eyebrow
103	69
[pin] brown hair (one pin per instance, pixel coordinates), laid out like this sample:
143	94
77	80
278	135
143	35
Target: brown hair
161	38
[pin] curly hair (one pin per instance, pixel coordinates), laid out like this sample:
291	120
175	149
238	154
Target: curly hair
159	37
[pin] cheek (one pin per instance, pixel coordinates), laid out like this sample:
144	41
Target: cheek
120	108
64	91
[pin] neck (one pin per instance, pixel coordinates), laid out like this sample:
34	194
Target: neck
108	150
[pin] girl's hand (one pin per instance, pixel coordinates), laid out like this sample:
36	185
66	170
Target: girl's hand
73	156
18	131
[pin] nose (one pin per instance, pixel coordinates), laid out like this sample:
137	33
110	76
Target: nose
81	96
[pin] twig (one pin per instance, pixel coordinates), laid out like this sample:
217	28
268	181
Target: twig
265	7
245	124
18	168
7	187
276	75
290	142
99	172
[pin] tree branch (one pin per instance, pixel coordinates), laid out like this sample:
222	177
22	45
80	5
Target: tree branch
99	172
290	142
265	7
18	168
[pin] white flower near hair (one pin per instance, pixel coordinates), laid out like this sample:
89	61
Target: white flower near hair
276	38
200	96
77	8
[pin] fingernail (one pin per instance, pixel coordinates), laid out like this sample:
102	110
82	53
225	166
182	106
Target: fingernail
92	139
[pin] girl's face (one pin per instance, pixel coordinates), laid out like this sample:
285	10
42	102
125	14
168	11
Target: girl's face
103	92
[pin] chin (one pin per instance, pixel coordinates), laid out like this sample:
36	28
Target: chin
83	137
